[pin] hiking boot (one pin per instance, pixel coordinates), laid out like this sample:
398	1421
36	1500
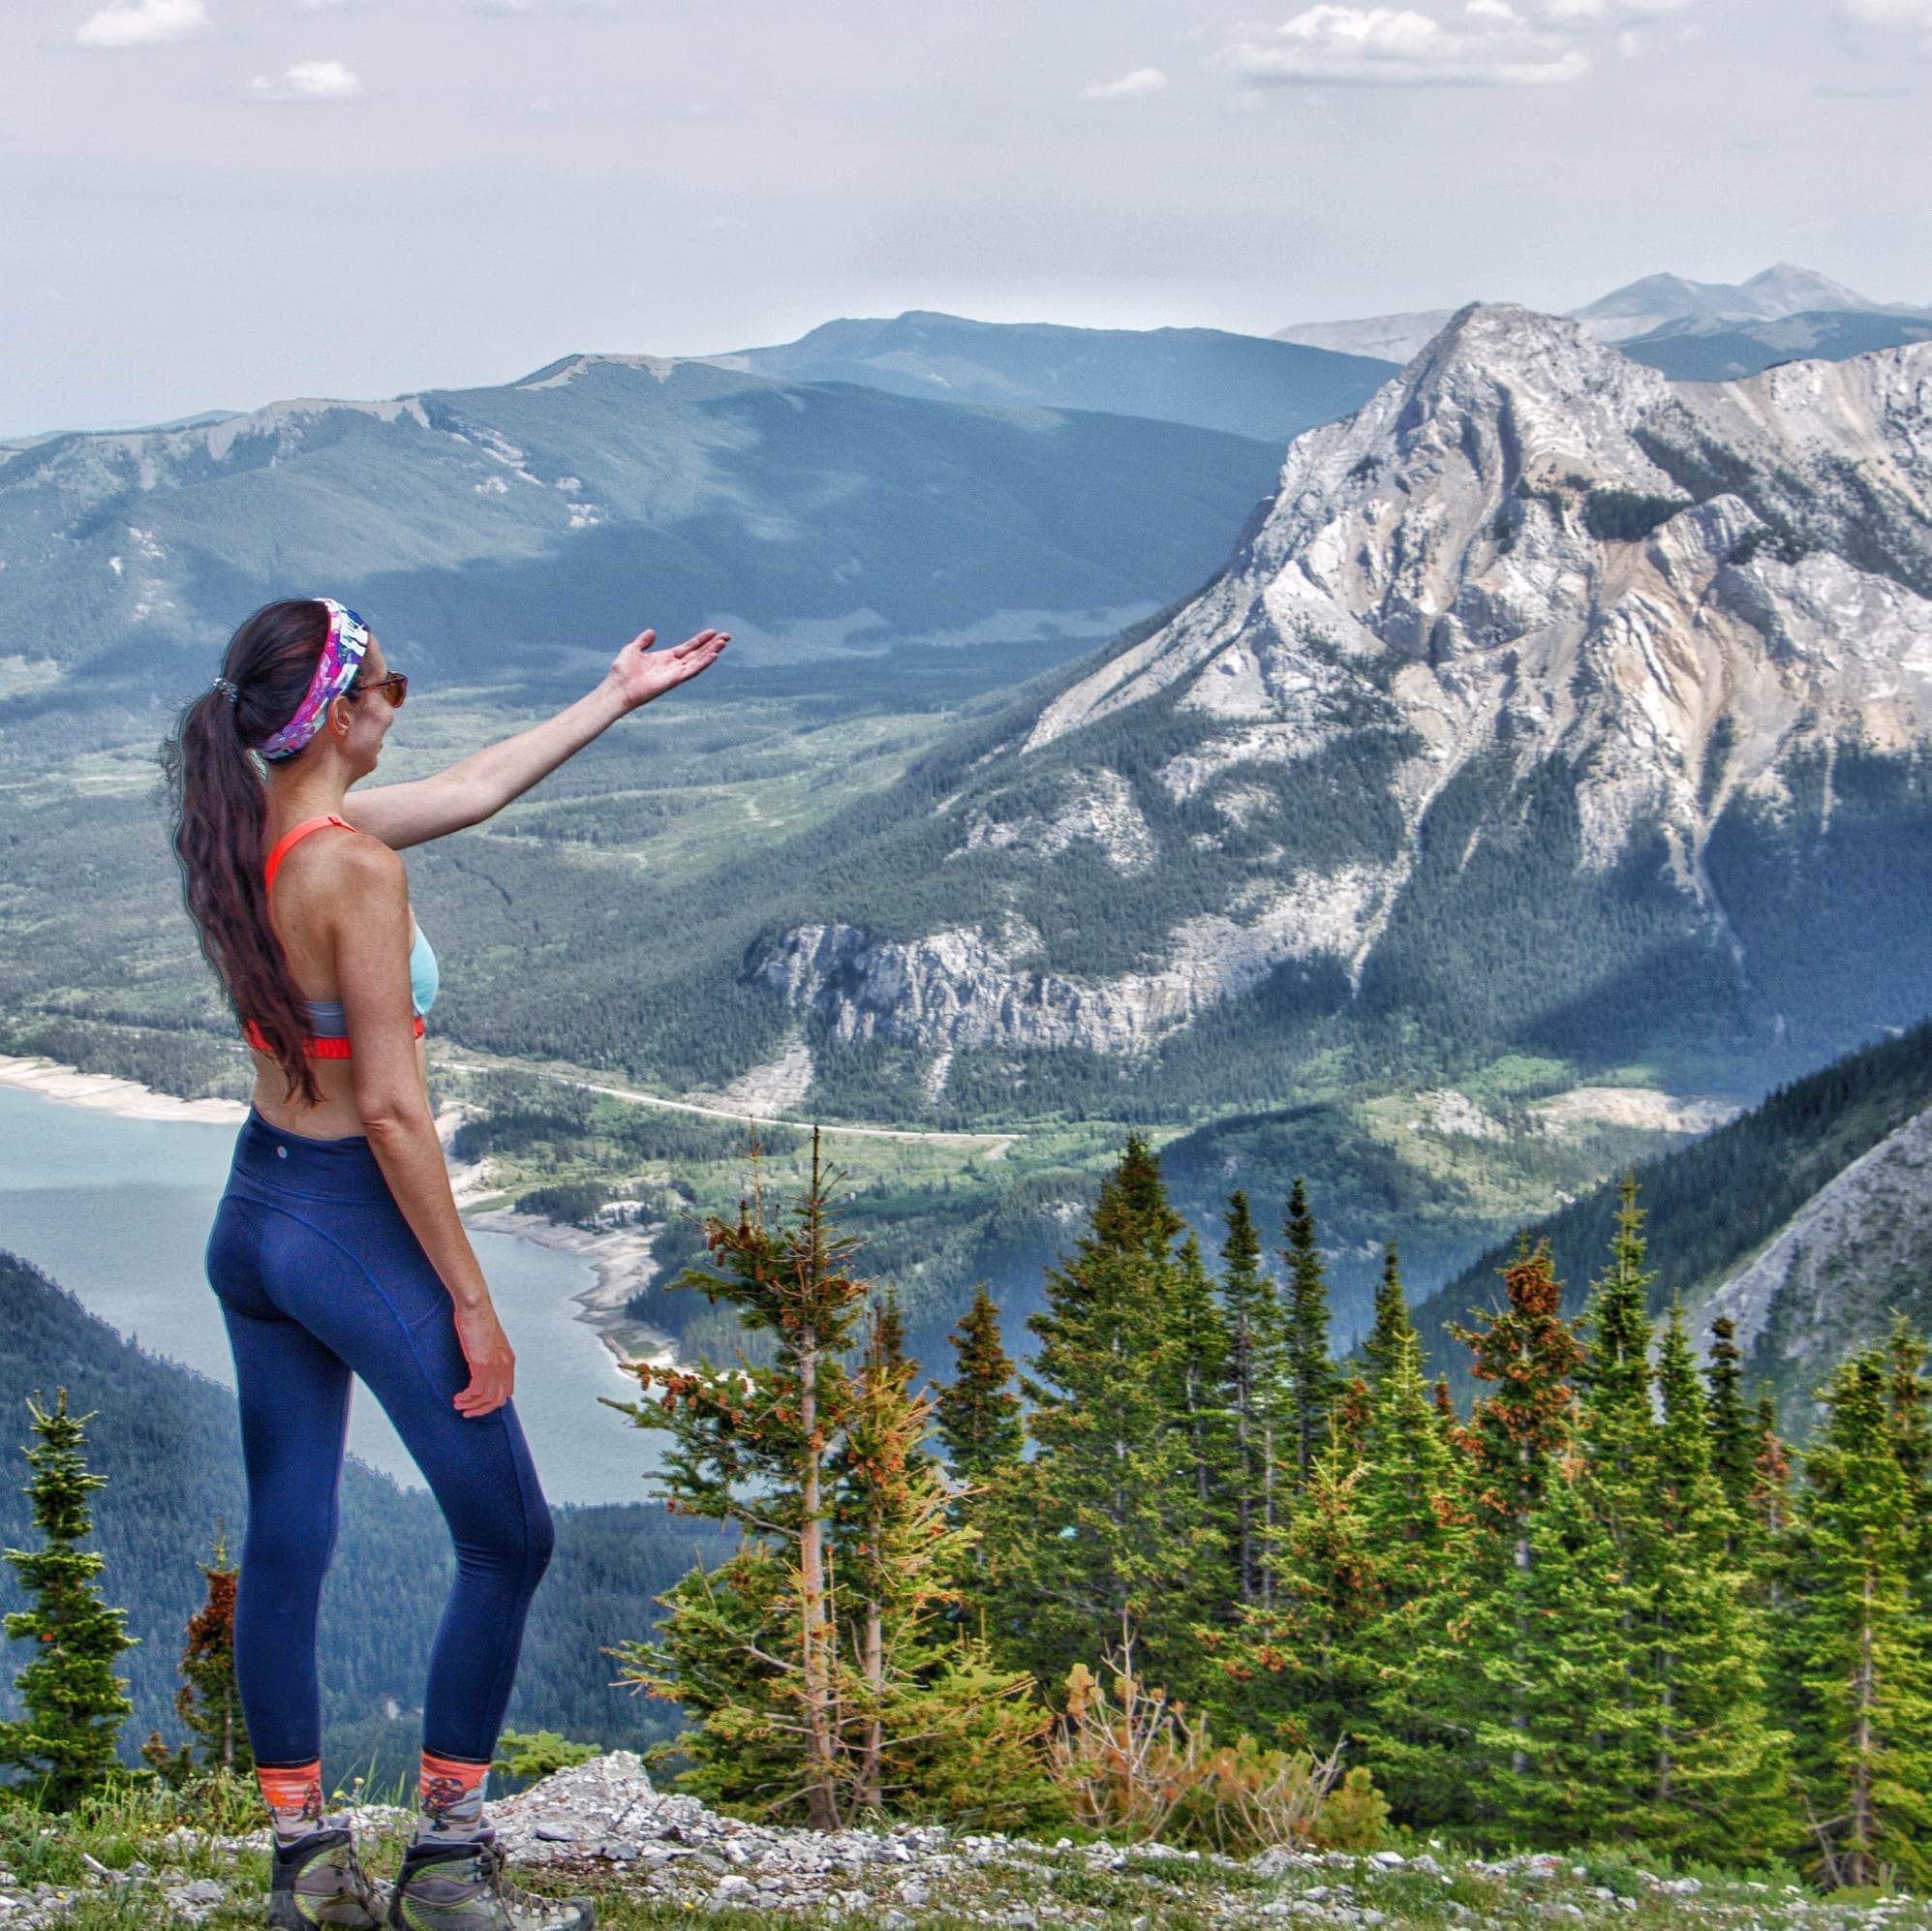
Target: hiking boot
316	1881
461	1887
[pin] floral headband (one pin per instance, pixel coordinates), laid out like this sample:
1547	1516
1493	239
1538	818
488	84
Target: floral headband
341	659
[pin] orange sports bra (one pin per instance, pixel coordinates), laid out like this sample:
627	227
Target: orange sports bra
329	1037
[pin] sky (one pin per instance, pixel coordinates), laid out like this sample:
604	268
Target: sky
215	203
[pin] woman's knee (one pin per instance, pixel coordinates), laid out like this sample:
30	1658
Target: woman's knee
515	1542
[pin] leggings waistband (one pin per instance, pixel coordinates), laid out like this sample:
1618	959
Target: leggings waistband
340	1169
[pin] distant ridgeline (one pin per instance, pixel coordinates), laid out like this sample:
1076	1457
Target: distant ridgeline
1807	1221
166	1441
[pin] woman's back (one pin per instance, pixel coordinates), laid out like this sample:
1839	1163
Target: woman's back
306	883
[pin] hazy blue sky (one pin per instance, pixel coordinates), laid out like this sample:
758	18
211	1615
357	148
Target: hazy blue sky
216	203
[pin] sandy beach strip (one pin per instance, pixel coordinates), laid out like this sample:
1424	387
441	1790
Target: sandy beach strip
127	1097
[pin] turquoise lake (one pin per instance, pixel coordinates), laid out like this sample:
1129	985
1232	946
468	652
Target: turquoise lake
118	1210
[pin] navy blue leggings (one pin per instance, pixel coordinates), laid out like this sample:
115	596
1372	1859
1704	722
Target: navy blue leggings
321	1278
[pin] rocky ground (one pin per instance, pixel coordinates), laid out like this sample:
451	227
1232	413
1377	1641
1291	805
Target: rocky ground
652	1858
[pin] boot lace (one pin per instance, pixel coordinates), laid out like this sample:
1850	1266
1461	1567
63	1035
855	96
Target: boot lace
505	1889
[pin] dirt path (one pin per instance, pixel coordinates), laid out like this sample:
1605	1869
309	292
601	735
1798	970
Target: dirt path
995	1145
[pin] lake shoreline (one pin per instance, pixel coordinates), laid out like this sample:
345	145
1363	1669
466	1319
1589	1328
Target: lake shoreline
620	1258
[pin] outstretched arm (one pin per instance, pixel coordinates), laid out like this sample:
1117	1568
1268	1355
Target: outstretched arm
479	786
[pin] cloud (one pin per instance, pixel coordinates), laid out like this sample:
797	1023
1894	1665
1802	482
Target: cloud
1903	16
330	6
1490	46
1893	16
307	80
520	9
143	24
1134	86
1607	12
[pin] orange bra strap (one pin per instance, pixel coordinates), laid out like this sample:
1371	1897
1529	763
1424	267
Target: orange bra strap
289	838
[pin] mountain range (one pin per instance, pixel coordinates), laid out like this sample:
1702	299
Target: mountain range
1243	384
1547	707
488	528
1656	310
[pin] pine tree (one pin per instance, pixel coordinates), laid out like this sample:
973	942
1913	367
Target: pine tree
1517	1433
1102	1531
1732	1450
1419	1527
812	1659
74	1702
1391	1323
1864	1643
1312	1384
1718	1770
978	1414
1199	1393
1257	1342
1308	1656
208	1702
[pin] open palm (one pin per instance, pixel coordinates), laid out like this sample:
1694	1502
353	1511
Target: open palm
643	673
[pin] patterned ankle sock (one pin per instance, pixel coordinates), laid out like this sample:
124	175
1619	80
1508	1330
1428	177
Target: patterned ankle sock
449	1799
293	1795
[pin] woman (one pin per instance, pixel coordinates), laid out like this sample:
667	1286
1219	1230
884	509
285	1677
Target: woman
337	1248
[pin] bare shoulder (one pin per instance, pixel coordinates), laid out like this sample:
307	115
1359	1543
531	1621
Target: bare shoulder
356	865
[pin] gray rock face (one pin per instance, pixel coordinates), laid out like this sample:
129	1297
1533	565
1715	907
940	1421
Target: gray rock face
1525	545
1856	1247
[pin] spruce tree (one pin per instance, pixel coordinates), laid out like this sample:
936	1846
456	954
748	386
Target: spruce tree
1529	1351
1390	1322
750	1447
1312	1384
1199	1392
1517	1433
978	1413
1550	1655
208	1702
74	1703
1732	1448
1718	1769
812	1660
1257	1342
1910	1401
1102	1533
1309	1663
1617	1435
983	1435
1864	1643
1419	1524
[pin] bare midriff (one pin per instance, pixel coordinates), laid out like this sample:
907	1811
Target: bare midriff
337	1116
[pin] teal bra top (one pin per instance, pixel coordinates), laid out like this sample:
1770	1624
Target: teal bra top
327	1020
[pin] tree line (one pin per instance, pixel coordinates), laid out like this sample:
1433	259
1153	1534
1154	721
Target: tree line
1609	1602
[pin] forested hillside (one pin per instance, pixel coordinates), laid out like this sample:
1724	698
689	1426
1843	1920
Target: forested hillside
1718	1201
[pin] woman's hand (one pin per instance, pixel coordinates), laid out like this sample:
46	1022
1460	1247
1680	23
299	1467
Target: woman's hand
492	1364
641	673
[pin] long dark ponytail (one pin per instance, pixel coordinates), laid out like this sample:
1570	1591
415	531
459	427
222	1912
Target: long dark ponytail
221	816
